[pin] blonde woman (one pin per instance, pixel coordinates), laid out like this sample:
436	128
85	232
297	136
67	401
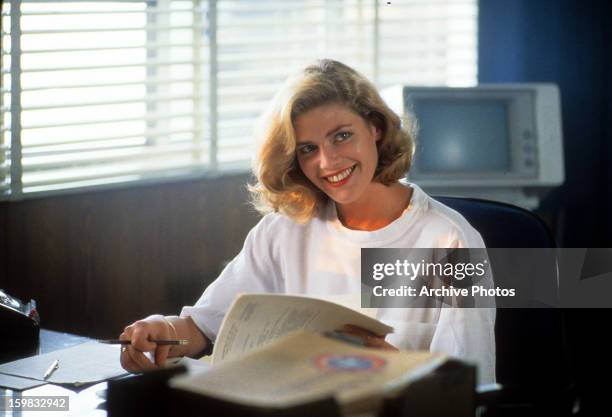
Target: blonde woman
329	168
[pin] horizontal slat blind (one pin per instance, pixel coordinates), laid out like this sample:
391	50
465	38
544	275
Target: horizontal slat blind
128	90
7	150
111	91
428	42
260	42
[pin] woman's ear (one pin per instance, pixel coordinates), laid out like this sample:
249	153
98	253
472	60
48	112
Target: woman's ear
377	133
375	121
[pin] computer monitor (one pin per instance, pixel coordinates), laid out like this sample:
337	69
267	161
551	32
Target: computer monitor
502	142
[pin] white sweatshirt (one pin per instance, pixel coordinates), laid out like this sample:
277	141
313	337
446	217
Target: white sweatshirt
322	258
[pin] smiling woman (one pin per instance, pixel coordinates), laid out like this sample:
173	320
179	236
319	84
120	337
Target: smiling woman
329	170
327	135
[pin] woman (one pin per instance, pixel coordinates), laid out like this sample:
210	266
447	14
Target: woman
330	158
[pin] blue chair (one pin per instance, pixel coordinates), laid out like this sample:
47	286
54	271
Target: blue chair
532	360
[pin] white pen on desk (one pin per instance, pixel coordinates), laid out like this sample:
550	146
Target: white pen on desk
51	369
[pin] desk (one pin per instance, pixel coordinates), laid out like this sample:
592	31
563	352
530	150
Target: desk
450	392
86	402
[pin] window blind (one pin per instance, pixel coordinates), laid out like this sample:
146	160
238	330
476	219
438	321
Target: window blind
107	92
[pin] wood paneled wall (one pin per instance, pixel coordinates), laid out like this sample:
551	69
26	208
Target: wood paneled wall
97	261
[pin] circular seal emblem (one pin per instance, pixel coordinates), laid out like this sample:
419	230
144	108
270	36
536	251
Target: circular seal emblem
349	363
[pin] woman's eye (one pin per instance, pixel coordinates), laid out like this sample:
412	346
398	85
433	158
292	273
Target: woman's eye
342	136
306	149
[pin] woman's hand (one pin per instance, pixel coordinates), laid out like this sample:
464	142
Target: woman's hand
140	333
369	339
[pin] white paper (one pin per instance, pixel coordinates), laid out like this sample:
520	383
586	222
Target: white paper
306	366
78	365
254	320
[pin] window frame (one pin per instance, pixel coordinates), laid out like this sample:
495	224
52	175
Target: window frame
213	168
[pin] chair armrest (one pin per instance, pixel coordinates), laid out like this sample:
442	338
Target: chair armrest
507	400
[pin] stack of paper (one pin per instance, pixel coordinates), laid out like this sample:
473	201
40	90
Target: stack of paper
79	365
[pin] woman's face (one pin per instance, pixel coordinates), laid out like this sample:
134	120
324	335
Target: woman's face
336	150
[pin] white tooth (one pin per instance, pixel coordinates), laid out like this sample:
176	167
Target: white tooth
341	176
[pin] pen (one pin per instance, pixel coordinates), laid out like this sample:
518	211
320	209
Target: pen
158	342
51	369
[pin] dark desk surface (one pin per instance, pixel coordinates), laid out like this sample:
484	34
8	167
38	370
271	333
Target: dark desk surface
88	402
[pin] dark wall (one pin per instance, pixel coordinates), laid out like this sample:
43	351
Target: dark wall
96	261
567	42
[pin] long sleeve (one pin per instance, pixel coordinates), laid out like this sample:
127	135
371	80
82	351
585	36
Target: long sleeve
468	333
253	270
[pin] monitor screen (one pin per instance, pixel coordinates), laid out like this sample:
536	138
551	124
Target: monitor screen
458	136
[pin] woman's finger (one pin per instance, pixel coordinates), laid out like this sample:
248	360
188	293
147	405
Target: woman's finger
369	338
124	358
139	359
141	341
161	354
126	361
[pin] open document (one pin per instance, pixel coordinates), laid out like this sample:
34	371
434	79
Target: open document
272	353
305	366
254	320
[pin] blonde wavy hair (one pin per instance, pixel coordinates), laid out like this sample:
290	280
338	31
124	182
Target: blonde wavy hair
281	186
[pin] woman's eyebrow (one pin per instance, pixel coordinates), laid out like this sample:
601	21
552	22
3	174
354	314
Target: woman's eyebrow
328	134
337	128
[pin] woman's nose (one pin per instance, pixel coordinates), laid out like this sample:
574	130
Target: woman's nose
328	157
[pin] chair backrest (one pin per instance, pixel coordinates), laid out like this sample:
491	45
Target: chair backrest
531	347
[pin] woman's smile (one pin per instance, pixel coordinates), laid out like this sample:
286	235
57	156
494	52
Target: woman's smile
340	178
